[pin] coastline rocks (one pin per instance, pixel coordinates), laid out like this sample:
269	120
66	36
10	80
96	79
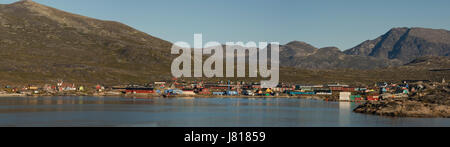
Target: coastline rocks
435	103
405	108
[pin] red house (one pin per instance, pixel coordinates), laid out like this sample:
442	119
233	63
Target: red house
143	90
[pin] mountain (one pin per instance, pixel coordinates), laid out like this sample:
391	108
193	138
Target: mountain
297	48
302	55
40	43
406	44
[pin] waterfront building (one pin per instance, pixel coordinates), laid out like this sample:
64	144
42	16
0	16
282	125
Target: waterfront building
344	96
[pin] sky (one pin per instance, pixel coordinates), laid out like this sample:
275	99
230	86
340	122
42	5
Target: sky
321	23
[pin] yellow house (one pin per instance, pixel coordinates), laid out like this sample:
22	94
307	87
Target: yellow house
33	88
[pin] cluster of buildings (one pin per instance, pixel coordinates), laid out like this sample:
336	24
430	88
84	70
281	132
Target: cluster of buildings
334	91
59	87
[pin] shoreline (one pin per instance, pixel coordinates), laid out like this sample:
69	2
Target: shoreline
328	98
404	108
317	97
13	95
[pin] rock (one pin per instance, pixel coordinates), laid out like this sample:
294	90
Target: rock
436	104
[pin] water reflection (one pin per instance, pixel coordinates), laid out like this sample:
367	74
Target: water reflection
345	110
191	112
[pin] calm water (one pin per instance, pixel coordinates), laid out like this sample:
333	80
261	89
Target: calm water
184	112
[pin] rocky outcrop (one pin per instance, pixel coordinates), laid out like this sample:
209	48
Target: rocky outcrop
432	103
405	108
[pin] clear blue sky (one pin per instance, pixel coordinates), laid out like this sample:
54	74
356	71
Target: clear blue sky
341	23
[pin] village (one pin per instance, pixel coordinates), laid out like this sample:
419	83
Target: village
175	88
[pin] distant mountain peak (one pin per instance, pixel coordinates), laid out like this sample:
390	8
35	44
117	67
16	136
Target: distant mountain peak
406	44
399	29
30	5
25	3
298	43
302	55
